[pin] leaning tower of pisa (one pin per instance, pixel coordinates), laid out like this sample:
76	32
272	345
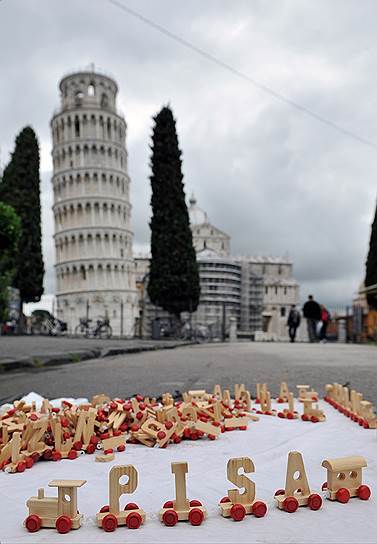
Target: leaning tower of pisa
93	237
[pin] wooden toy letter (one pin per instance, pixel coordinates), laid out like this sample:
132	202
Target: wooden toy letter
36	443
181	501
116	489
296	476
240	480
85	426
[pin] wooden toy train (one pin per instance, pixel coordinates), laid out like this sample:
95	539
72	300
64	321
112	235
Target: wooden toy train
344	480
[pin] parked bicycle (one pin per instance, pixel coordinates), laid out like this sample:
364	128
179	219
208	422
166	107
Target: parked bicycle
101	329
197	333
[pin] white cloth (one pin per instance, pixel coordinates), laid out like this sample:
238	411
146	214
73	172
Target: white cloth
267	442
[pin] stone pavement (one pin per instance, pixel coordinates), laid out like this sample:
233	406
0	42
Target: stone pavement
40	351
201	366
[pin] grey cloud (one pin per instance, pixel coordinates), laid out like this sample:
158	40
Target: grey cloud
276	180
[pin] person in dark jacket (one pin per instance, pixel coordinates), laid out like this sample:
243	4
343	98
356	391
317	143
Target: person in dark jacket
312	312
293	322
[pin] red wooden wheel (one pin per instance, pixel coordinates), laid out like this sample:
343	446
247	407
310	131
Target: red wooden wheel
281	415
290	415
72	454
134	520
315	501
304	417
259	509
131	506
63	524
324	486
33	523
343	495
170	518
290	504
314	419
195	502
29	462
196	516
47	454
280	492
21	466
91	448
109	523
238	512
105	508
225	499
364	492
168	504
56	456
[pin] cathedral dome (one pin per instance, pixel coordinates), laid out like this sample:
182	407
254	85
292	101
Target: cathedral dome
196	214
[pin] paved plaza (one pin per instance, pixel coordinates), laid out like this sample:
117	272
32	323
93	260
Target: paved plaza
201	366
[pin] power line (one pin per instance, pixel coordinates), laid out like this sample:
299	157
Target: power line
265	88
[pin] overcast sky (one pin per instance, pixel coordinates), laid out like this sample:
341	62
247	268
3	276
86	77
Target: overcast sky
276	180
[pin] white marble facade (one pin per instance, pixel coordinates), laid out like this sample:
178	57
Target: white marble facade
95	270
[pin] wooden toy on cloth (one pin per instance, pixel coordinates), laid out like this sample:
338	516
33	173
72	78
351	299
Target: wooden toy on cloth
110	516
344	479
290	412
313	414
352	405
297	492
236	504
181	509
304	393
60	512
283	393
264	399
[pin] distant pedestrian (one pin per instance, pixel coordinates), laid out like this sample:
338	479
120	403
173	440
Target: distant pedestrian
312	312
293	322
325	318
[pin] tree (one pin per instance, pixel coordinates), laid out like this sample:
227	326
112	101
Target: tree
173	277
10	230
20	188
371	264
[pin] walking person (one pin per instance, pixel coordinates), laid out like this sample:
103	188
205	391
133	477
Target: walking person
325	318
293	322
312	313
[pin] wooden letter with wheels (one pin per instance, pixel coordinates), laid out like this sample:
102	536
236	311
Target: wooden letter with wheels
181	509
297	492
236	504
110	516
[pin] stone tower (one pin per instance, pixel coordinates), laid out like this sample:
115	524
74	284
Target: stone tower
95	273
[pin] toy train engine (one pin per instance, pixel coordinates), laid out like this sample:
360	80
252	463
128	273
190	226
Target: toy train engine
59	512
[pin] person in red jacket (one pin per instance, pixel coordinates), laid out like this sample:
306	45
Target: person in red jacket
325	318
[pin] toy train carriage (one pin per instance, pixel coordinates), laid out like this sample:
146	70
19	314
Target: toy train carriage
60	512
344	478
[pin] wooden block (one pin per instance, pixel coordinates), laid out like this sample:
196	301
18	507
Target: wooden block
236	422
105	458
113	442
207	428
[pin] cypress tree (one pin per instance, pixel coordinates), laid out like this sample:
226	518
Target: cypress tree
10	229
173	277
371	264
20	188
